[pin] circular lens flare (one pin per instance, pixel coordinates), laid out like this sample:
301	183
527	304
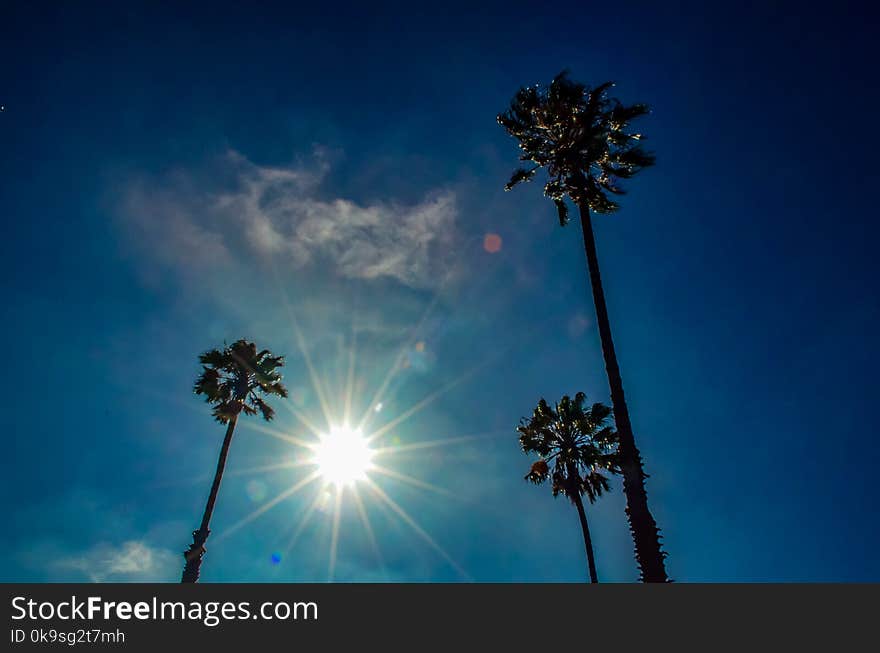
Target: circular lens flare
343	456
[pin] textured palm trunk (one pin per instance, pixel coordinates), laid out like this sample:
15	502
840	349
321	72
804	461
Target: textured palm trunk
646	536
588	542
193	555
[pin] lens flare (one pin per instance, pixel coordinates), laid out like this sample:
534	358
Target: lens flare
492	243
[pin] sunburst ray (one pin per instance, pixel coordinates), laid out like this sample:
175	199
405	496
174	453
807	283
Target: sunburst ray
349	379
334	537
301	344
400	512
410	480
271	467
427	401
304	521
368	529
253	425
296	487
397	363
440	442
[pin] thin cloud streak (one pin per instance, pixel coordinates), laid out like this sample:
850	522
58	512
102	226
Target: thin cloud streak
131	561
194	225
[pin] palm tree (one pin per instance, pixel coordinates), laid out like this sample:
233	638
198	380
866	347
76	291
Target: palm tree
232	380
582	138
581	445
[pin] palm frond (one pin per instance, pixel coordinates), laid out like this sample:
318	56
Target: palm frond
581	137
538	472
267	411
224	411
578	440
520	175
232	377
213	358
594	485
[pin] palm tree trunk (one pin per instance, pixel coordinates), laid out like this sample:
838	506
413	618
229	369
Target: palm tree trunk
194	554
644	530
588	542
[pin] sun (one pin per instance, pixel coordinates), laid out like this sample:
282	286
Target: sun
343	456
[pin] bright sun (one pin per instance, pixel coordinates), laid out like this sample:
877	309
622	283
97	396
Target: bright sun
343	456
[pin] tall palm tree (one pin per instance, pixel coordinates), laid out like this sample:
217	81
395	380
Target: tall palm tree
581	444
582	138
232	379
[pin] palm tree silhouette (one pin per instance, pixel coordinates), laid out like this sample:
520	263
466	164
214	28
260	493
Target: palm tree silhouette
232	380
581	444
581	137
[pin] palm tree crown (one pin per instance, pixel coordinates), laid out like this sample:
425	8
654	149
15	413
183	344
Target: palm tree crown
579	442
581	137
231	379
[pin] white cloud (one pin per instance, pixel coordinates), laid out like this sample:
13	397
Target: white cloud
130	561
199	225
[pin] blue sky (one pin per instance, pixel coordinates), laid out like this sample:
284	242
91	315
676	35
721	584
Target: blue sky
175	177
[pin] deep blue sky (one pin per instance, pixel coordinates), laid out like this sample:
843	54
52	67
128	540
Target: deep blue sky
147	155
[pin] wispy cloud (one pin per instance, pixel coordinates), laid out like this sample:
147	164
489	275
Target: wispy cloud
130	561
244	212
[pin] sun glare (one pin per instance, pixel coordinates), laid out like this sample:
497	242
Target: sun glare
343	456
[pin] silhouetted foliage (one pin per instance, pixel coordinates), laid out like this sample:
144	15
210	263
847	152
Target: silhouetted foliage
233	378
580	443
582	138
578	448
